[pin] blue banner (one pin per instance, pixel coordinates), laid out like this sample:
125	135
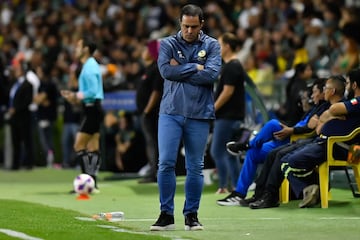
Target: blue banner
120	100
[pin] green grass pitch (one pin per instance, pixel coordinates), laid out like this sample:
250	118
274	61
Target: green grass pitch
36	205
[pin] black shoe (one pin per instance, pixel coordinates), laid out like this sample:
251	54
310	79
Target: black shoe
235	148
247	201
266	201
148	180
164	222
311	196
231	200
192	223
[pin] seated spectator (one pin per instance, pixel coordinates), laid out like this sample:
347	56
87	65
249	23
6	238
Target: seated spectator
341	119
269	181
271	136
291	111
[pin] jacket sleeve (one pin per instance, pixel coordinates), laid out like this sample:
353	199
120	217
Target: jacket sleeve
302	130
211	68
188	72
177	73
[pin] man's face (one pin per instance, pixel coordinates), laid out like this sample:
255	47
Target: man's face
79	50
329	90
223	47
190	28
317	95
349	91
16	70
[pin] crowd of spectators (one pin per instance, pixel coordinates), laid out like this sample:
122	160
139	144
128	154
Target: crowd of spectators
274	36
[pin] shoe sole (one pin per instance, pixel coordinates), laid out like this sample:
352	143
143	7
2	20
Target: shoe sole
231	152
268	206
164	228
227	203
312	199
195	228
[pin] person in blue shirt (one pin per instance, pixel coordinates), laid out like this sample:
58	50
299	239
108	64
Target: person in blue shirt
189	63
272	135
270	178
340	119
90	94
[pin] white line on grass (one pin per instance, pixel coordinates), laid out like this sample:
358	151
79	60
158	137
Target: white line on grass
207	219
20	235
117	229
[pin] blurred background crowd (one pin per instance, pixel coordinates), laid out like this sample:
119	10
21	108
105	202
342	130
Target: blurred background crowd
274	36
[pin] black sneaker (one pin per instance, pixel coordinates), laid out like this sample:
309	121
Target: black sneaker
231	200
164	222
235	148
267	200
192	223
247	201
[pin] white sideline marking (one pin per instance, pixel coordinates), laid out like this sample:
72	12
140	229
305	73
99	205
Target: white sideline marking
117	229
20	235
85	219
211	219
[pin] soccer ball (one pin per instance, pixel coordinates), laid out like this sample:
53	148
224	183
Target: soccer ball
84	184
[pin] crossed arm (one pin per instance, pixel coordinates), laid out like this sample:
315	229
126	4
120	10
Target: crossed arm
190	72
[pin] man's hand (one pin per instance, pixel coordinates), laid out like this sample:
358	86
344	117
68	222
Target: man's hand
69	96
200	67
283	133
173	62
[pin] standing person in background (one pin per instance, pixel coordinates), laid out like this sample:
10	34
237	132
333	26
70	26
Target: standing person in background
189	62
229	110
148	98
20	118
46	99
72	117
90	94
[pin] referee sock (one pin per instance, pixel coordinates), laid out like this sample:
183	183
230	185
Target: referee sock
79	158
95	160
89	163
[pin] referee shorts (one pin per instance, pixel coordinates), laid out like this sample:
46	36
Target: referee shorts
93	117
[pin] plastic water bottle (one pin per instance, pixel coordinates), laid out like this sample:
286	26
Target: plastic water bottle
110	216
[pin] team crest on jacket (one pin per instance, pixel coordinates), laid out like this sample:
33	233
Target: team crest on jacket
201	55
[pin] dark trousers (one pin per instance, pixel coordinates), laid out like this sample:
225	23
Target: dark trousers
298	166
149	125
21	133
271	176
